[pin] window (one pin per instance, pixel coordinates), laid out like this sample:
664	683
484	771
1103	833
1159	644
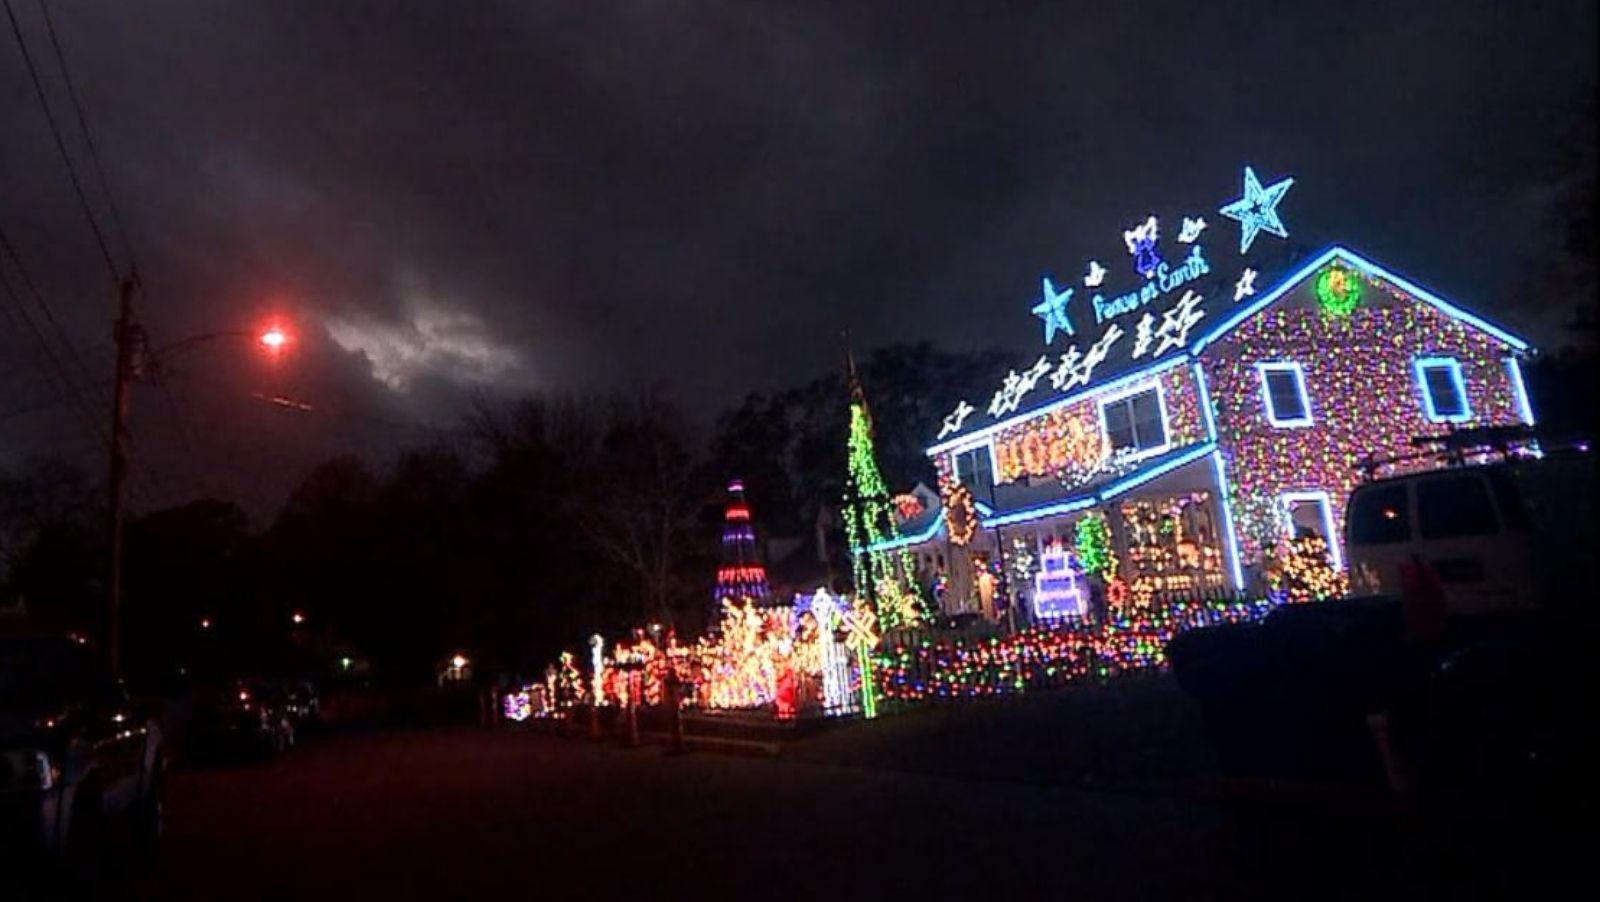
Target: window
1311	513
975	470
1379	516
1137	421
1283	392
1454	507
1444	393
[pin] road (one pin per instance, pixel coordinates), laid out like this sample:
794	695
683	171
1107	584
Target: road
469	812
1084	794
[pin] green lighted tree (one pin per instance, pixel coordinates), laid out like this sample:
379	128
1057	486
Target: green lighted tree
882	575
1094	546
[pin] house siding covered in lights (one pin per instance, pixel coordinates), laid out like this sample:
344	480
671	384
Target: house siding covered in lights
1255	426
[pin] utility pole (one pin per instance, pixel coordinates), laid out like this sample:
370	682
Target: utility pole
124	332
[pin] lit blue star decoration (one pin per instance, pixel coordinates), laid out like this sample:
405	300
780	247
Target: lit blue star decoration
1257	211
1053	310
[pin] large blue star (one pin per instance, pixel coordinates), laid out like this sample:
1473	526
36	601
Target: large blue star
1053	310
1257	211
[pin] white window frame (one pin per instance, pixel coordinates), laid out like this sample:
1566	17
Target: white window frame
1161	403
988	446
1288	500
1298	374
1420	368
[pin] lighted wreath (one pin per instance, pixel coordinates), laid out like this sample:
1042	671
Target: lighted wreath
1338	291
960	517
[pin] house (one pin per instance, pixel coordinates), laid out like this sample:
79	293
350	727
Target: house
1198	420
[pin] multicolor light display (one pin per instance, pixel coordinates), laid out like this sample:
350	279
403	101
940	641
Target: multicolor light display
882	574
1359	377
1058	587
960	516
1069	445
1092	538
1302	569
741	574
1047	657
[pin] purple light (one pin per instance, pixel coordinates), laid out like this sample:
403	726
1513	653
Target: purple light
1056	589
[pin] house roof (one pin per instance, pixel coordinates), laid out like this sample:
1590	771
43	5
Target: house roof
1120	367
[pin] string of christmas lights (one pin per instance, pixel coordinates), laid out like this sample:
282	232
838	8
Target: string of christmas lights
1352	363
1048	657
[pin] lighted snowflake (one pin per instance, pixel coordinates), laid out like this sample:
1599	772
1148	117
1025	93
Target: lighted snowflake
1191	229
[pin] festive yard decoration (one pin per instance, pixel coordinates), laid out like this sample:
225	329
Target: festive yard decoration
741	574
597	668
907	505
516	706
1053	310
1058	588
863	639
1021	560
882	574
1093	542
1338	291
1170	553
960	516
1301	569
1050	656
568	683
1257	211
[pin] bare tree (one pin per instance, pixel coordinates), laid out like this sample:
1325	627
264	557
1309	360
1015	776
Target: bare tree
638	506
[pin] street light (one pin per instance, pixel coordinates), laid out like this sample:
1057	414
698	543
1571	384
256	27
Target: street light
133	360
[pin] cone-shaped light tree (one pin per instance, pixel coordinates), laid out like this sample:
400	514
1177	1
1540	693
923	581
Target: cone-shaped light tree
883	575
741	576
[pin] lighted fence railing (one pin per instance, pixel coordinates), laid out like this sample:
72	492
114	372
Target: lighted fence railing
914	666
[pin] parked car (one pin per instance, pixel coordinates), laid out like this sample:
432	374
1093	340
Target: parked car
243	718
82	769
1506	538
1453	662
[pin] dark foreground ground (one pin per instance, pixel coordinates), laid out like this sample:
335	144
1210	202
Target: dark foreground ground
972	803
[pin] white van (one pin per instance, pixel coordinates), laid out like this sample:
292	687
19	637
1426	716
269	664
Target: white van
1507	537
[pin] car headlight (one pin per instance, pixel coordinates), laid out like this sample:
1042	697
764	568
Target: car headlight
27	769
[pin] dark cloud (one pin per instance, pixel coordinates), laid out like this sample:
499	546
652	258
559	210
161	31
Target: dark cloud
461	197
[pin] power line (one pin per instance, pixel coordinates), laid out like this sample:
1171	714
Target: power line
43	305
61	146
88	137
67	388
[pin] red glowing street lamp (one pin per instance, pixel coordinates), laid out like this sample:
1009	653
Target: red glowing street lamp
274	339
135	359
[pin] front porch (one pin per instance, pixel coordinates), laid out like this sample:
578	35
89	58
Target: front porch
1170	539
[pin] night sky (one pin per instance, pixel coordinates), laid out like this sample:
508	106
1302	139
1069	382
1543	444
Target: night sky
460	200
